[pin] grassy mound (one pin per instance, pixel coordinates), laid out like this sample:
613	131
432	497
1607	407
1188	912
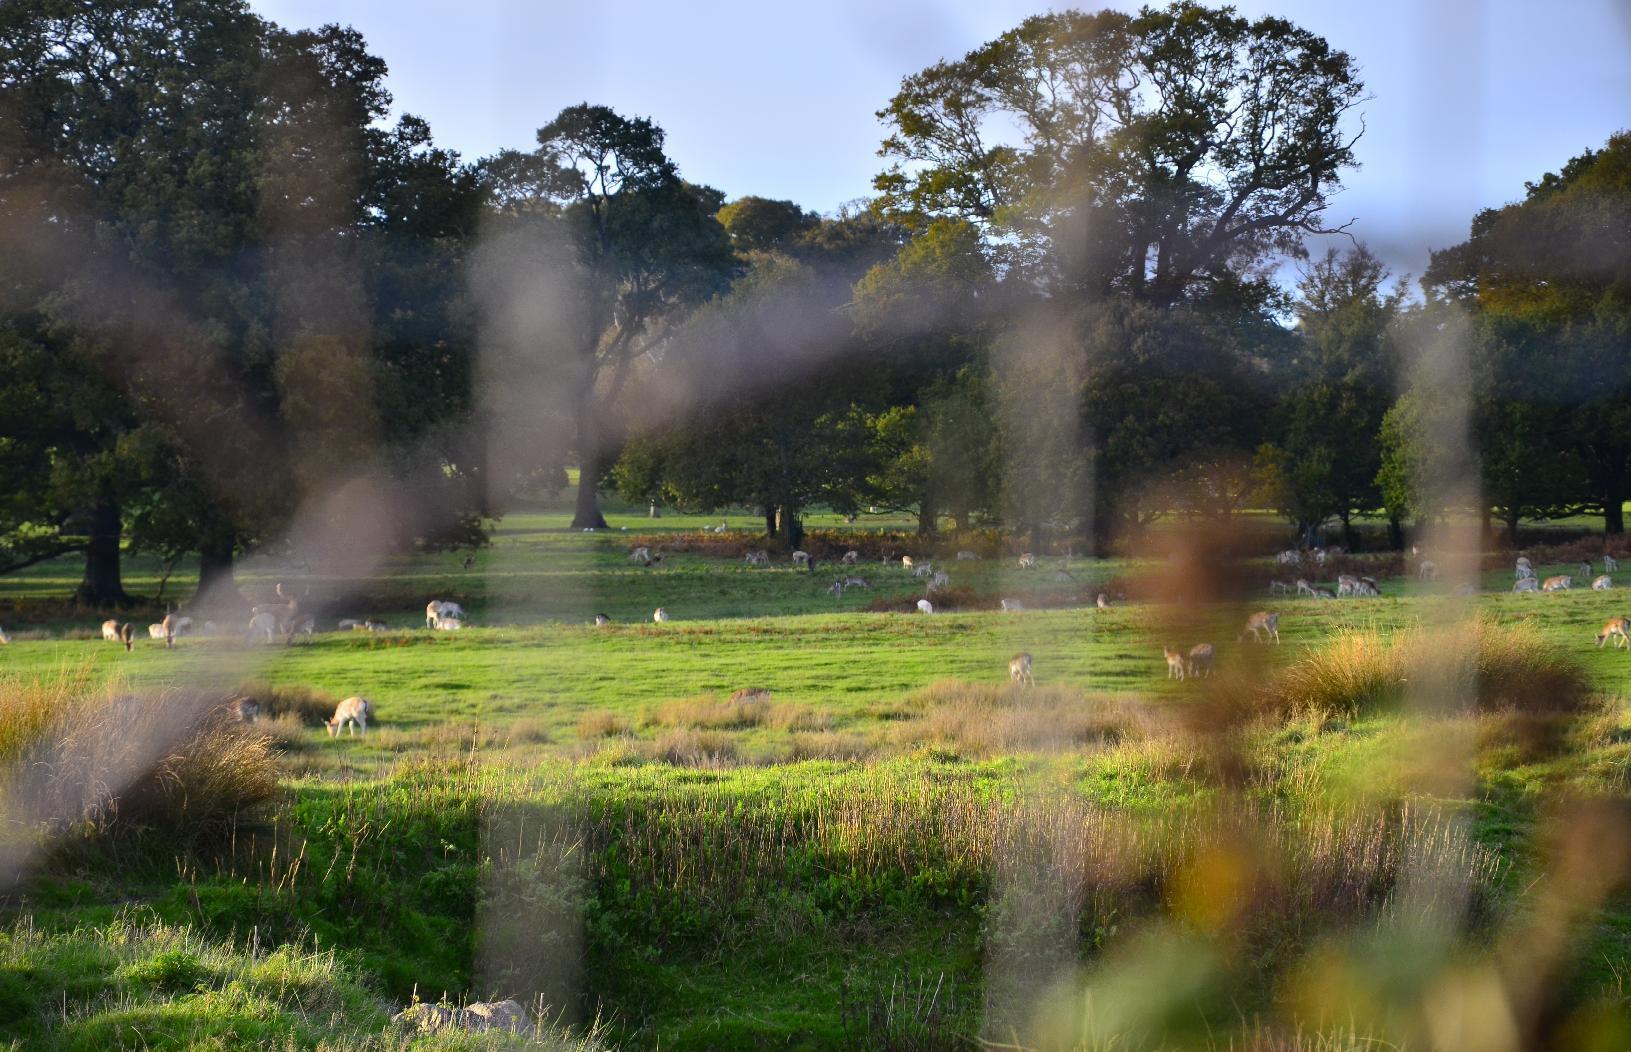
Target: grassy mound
148	985
105	762
1481	668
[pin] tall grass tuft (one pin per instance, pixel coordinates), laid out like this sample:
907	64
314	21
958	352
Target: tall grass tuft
1482	667
103	761
988	719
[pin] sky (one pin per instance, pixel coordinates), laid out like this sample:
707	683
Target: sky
1469	98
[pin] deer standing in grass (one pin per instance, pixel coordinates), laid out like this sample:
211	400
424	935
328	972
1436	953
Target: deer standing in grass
1175	662
1619	629
1560	583
1019	670
1200	659
353	712
1262	624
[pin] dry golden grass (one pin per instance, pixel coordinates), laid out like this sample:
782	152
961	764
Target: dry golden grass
828	745
984	719
740	711
103	761
601	724
694	748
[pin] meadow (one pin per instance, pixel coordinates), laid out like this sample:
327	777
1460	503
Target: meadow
1321	846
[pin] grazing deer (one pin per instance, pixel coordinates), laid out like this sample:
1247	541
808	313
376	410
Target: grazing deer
757	558
857	582
1585	568
1620	629
1368	586
925	607
1012	606
601	620
906	561
1526	584
851	557
127	636
836	588
641	555
247	710
1019	670
1609	563
941	579
1262	624
373	625
1428	570
1102	602
1602	583
1560	583
1347	584
262	626
1279	588
1200	659
801	559
1027	561
1304	588
660	615
923	570
1289	557
1175	662
443	624
352	712
170	627
110	631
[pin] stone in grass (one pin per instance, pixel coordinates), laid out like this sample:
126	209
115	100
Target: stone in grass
483	1015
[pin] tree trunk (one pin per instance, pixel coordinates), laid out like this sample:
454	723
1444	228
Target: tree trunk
103	584
792	528
1350	540
586	514
770	521
1395	533
926	516
1511	520
217	587
1614	507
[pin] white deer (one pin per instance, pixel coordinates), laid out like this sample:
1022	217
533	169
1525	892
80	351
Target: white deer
1603	583
925	607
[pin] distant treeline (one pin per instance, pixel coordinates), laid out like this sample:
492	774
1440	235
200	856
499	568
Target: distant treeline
239	309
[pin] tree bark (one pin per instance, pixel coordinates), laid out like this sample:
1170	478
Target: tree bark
926	515
217	587
1395	533
792	527
103	584
586	514
1511	519
1614	507
770	521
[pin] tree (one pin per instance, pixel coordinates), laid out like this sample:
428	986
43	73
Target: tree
1149	154
645	248
1336	383
758	224
1553	274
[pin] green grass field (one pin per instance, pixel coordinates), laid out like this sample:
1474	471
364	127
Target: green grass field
894	849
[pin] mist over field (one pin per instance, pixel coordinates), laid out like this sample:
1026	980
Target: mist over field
1076	596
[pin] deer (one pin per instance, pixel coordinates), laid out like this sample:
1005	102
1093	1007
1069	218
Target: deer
925	607
801	559
1102	602
601	620
1027	561
1175	663
1012	606
641	555
1262	624
110	630
851	557
353	713
1428	570
1200	659
1304	588
127	636
1602	583
1279	588
1560	583
1585	568
836	588
660	615
1019	670
1619	629
1609	563
1526	584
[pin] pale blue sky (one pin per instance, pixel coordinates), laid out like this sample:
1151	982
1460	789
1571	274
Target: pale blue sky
1470	98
